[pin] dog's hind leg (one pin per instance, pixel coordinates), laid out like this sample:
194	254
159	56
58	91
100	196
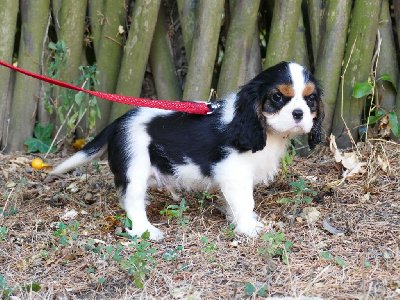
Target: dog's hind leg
134	197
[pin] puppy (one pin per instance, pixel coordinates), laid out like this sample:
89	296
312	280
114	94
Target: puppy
236	147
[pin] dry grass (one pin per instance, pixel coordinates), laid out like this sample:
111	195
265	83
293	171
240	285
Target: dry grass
366	208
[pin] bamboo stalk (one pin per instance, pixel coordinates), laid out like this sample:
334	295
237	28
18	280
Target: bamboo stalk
387	63
187	15
98	18
316	9
334	28
162	63
8	22
363	30
283	32
109	55
204	48
238	46
25	99
136	53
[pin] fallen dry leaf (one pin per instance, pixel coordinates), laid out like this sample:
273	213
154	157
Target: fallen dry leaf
349	161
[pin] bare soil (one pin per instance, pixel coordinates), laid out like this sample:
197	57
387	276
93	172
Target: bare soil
350	251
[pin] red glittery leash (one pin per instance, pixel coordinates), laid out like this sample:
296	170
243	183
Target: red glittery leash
201	108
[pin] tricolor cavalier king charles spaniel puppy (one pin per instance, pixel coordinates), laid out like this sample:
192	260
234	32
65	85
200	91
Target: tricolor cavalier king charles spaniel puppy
236	147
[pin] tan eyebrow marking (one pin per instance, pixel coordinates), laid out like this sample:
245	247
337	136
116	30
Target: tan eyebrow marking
286	90
309	89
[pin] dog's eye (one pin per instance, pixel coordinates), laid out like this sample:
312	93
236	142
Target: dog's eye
277	97
310	99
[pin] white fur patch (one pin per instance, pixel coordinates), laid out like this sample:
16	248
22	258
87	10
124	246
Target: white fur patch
78	159
229	109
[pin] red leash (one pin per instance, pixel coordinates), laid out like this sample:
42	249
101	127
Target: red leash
201	108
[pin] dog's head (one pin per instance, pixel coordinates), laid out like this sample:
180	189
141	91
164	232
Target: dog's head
283	99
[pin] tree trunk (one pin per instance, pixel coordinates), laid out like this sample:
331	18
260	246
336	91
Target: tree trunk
204	49
363	30
99	16
109	56
162	62
8	26
238	46
72	22
315	9
330	55
396	5
43	115
283	32
300	56
254	66
387	63
187	15
56	13
136	54
300	53
24	105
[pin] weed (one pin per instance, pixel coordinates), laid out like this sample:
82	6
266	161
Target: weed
209	248
287	159
3	233
300	190
337	259
202	197
4	290
176	211
172	255
64	229
72	106
137	264
276	246
229	231
374	111
250	290
91	246
41	141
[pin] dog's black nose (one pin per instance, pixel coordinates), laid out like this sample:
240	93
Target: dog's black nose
297	114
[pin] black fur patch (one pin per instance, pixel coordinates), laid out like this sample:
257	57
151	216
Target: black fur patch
179	138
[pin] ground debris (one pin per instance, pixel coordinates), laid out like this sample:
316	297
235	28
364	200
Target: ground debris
61	234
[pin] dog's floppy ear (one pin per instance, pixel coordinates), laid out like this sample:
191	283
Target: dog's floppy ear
315	135
247	130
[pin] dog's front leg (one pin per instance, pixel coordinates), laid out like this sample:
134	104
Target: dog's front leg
239	196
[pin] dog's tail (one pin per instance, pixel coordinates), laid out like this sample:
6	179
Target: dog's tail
90	152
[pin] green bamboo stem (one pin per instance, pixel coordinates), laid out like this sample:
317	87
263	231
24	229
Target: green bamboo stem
238	46
358	55
204	49
162	63
283	31
136	53
25	99
334	28
8	27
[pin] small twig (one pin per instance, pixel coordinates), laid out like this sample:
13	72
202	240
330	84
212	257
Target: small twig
5	205
382	140
110	38
58	131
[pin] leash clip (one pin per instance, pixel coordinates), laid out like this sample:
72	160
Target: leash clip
212	106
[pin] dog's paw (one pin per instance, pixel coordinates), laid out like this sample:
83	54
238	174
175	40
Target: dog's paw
250	227
155	233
